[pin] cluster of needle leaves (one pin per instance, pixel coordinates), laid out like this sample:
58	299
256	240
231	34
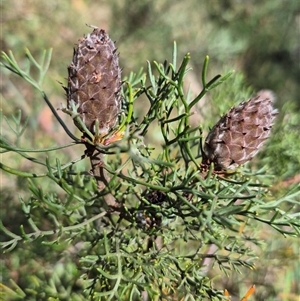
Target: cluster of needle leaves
175	223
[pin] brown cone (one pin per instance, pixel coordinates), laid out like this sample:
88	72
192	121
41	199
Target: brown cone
241	133
94	82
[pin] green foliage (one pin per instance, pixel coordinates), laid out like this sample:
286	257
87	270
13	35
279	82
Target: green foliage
260	38
159	243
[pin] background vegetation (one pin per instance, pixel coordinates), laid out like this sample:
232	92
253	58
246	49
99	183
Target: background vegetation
259	40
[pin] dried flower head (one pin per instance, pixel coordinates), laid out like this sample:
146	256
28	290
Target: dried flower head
241	133
94	82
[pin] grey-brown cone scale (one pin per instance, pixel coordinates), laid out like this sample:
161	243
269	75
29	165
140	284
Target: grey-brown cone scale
240	134
94	82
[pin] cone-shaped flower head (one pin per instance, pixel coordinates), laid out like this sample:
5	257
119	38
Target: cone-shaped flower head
240	134
94	82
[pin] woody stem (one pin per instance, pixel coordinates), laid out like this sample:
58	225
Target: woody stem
100	175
